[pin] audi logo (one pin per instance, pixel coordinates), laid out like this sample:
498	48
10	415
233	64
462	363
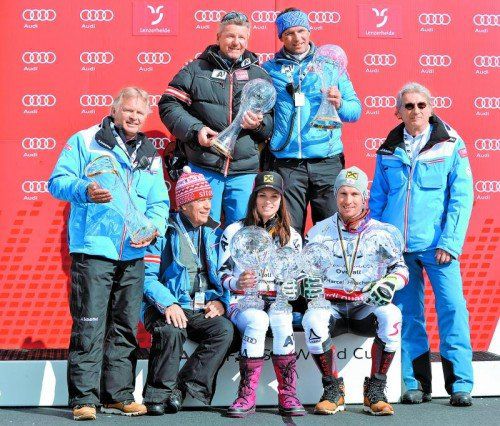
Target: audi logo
483	20
38	144
39	100
264	16
372	144
487	103
39	57
153	100
97	15
39	15
435	60
96	100
34	186
442	102
380	59
434	19
96	57
380	101
487	144
488	186
160	143
320	17
263	57
208	15
155	58
487	61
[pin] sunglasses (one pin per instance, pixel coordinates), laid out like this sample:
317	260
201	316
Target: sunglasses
234	15
411	106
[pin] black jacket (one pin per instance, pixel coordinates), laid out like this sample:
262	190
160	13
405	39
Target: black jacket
196	97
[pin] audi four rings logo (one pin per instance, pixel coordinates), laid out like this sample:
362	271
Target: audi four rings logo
153	100
39	100
435	60
488	186
155	58
160	143
321	17
96	57
487	144
97	15
96	100
264	16
487	61
39	57
487	103
434	19
34	186
38	144
38	15
380	59
263	57
372	144
442	102
208	15
483	20
380	101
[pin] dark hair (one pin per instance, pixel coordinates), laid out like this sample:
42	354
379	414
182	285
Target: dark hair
282	226
288	9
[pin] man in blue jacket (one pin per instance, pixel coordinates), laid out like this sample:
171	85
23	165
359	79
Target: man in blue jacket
308	159
183	298
107	270
423	185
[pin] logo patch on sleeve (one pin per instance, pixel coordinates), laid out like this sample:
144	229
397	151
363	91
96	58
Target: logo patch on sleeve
463	152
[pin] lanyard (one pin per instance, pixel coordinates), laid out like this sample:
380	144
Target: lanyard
196	253
344	252
121	144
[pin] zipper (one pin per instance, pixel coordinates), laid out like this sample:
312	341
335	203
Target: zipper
407	204
124	233
229	118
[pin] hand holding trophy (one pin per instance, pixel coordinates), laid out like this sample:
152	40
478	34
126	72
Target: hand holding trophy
286	267
316	259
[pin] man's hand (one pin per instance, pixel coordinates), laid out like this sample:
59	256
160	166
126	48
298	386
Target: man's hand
442	256
205	136
175	315
290	289
246	280
252	120
334	97
311	287
213	309
98	195
381	292
146	242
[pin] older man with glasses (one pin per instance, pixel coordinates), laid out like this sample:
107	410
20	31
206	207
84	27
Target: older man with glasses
423	185
203	99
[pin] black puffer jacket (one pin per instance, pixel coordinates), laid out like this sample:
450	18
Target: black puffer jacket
201	96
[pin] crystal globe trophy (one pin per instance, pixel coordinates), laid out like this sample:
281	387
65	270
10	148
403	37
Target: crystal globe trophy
316	259
286	267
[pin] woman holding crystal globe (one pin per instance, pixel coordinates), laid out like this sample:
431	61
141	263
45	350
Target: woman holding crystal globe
266	211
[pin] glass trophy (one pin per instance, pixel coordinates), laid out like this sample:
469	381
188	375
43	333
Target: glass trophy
258	96
316	259
103	170
286	267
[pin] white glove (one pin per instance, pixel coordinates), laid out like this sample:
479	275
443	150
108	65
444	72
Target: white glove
381	292
289	289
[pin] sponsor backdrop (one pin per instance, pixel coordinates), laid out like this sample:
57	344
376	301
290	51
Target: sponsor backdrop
64	61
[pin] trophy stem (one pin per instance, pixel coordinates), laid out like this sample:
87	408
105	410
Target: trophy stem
221	149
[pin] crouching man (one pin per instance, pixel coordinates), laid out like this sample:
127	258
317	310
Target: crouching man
184	299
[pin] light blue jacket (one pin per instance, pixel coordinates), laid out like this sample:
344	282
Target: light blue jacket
95	229
431	201
293	135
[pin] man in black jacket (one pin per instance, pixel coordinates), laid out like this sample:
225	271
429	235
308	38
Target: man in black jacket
203	99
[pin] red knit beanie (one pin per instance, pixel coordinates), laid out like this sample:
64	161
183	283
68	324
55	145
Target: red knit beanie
191	187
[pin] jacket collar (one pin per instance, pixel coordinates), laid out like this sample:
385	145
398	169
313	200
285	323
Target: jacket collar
212	55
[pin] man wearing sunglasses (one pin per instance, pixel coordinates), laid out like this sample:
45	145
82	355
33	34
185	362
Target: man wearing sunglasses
423	185
203	99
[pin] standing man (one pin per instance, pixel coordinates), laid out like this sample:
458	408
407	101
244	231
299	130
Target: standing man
203	99
308	159
107	270
423	186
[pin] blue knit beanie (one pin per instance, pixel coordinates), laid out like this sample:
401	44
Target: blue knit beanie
294	18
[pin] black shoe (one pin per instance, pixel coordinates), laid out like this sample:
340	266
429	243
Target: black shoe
461	399
415	396
155	408
174	401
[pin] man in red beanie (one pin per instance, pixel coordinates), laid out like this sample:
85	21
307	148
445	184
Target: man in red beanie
184	299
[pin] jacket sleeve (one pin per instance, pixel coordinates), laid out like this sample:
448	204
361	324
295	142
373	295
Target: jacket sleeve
158	203
67	180
459	209
225	297
154	290
378	191
174	106
350	108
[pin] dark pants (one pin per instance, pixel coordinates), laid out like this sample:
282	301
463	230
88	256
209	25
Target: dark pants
309	181
197	377
105	303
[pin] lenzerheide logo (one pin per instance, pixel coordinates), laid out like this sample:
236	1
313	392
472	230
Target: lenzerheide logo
380	102
39	15
34	186
435	60
487	186
154	58
39	57
487	102
487	144
208	15
96	100
442	102
482	61
486	20
434	19
38	144
97	15
380	59
96	58
323	17
372	144
155	12
32	100
160	143
382	14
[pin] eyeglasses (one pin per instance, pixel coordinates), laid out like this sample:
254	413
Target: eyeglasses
411	106
234	15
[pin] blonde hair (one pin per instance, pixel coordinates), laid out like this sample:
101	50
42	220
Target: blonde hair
127	93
